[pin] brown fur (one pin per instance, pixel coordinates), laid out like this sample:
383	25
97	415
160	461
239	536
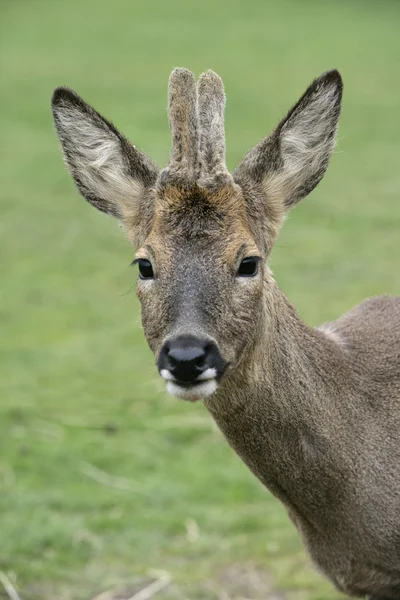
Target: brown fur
314	413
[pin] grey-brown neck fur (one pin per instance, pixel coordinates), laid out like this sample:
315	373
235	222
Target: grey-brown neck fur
315	414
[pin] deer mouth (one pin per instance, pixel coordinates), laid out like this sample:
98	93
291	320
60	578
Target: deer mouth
205	385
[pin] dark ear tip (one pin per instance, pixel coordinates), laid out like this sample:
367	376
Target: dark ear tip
331	77
63	94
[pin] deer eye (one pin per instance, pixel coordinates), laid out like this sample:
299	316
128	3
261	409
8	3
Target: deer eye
145	269
248	267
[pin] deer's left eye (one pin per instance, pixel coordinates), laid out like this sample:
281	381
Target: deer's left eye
145	269
248	267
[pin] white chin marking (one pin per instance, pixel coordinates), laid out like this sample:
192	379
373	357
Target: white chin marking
196	392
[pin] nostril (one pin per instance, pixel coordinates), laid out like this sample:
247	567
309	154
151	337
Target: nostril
172	361
201	361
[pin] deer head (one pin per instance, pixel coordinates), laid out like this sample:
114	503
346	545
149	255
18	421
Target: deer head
202	235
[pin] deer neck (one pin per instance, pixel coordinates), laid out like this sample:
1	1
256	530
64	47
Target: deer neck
280	410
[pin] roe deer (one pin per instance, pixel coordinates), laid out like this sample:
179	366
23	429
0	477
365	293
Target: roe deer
314	413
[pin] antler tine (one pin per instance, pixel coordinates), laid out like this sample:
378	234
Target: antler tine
182	110
211	116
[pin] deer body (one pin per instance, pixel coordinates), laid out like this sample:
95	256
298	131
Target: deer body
314	413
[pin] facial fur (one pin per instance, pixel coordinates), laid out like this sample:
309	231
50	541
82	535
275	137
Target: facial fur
195	246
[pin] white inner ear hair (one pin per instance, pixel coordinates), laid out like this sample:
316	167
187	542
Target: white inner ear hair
307	141
97	159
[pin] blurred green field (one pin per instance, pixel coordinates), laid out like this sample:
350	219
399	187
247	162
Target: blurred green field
105	482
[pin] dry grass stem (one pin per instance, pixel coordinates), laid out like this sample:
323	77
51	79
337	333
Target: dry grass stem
153	588
8	586
104	478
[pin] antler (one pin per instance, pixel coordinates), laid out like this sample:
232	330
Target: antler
183	119
211	102
196	118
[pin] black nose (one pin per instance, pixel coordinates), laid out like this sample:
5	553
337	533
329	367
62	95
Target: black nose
186	357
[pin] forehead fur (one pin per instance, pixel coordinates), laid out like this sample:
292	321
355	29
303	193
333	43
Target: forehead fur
198	215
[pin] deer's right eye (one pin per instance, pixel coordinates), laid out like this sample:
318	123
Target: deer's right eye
145	269
248	267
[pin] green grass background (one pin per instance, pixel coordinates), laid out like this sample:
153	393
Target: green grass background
103	478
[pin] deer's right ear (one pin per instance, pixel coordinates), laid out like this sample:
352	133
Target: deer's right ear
287	165
108	171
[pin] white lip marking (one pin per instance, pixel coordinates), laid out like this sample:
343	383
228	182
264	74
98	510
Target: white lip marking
196	392
165	374
207	374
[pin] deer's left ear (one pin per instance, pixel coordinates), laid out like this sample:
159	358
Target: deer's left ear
287	165
109	172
